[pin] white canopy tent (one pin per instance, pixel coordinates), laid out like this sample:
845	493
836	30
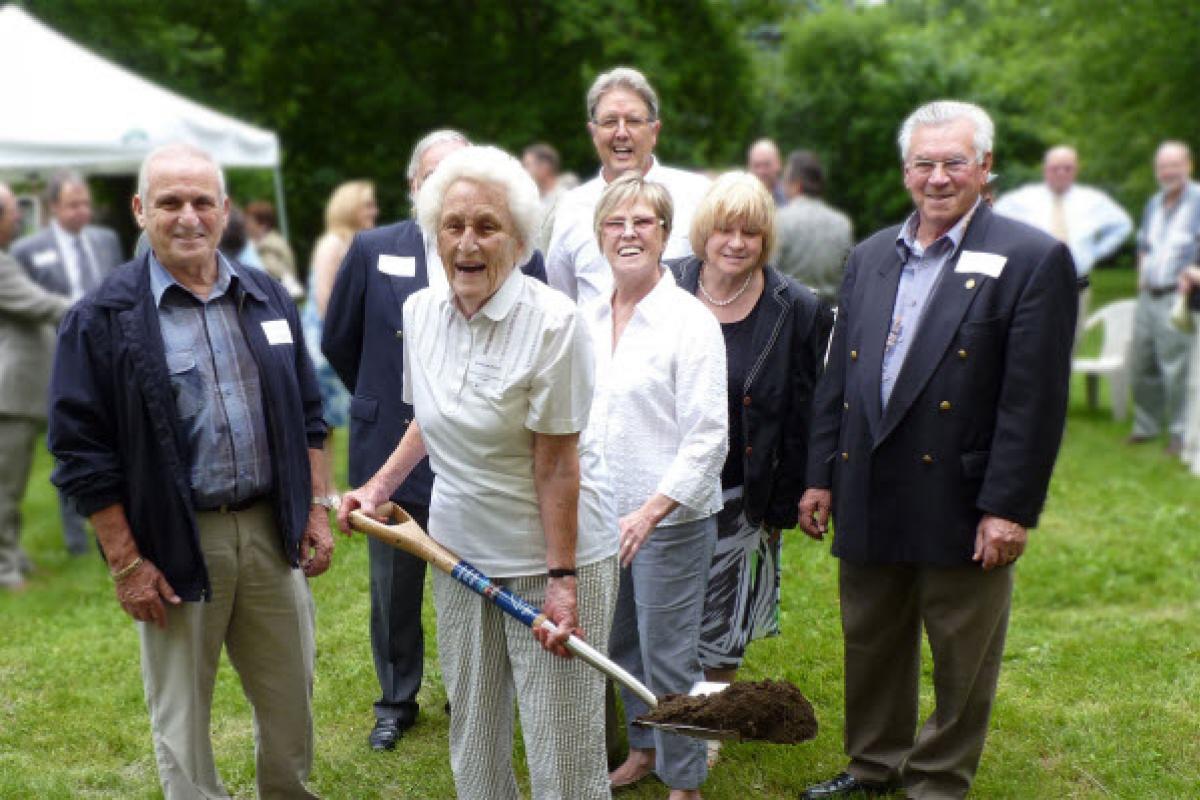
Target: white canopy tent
63	106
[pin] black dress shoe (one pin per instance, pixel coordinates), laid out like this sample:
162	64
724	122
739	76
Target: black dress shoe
387	732
846	785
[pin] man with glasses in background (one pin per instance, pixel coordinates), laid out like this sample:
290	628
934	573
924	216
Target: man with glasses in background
624	125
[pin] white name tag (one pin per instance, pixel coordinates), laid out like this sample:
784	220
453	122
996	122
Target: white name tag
277	331
400	266
44	258
988	264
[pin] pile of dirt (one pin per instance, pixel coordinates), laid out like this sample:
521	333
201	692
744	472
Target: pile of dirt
772	711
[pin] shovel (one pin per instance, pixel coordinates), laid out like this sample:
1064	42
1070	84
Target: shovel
405	534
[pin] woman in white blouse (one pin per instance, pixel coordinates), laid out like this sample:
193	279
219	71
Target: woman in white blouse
498	368
659	417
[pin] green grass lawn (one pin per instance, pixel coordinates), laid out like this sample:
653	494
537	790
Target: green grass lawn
1098	697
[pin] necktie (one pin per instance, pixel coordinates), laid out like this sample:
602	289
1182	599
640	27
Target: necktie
88	279
1058	218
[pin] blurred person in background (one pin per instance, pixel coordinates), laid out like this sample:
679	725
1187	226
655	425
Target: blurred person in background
542	163
764	162
69	257
1083	218
814	237
1168	242
273	250
351	208
623	120
27	315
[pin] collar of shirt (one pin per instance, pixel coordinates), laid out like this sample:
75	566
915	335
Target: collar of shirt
497	306
655	306
908	246
161	280
652	174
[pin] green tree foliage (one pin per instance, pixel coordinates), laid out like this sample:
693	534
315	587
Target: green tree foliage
350	85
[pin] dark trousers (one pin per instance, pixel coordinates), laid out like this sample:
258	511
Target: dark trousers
964	612
397	640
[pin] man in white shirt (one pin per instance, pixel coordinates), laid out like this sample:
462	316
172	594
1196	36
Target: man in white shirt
624	126
1085	219
69	257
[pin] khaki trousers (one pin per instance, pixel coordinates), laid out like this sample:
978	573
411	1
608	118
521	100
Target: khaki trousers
964	612
262	613
488	659
17	437
1161	356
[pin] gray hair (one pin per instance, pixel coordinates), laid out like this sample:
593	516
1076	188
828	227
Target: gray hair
944	112
622	78
177	149
428	141
59	181
489	165
1174	143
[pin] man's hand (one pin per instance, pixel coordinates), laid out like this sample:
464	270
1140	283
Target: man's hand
316	546
561	607
141	594
814	512
998	542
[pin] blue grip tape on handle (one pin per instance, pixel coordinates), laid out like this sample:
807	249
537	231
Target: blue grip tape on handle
509	602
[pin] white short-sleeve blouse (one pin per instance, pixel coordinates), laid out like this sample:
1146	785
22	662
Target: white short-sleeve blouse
480	388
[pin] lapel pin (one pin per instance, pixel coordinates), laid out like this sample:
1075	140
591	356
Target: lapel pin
970	284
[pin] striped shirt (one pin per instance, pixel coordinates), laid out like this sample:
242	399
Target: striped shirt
215	381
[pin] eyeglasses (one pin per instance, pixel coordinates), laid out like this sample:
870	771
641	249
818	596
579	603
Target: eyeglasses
953	166
617	226
632	124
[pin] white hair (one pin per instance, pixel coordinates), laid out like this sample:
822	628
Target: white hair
944	112
177	149
622	78
427	143
489	165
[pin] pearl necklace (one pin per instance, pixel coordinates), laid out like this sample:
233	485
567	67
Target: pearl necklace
722	303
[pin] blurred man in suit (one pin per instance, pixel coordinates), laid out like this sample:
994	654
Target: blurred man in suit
935	430
363	341
69	257
813	237
27	313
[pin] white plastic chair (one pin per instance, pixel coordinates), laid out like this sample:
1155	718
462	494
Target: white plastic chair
1114	359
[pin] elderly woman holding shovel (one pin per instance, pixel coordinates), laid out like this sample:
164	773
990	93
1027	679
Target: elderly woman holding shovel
498	368
660	418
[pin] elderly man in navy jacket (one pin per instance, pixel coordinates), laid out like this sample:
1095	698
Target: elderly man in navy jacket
936	427
363	341
186	421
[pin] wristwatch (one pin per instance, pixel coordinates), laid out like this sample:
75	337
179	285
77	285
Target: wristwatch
329	501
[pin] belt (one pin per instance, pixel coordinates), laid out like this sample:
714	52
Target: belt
1161	291
241	505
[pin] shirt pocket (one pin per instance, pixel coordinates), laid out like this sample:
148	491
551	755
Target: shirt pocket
187	385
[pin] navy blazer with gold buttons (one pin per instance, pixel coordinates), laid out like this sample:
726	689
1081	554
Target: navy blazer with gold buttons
976	417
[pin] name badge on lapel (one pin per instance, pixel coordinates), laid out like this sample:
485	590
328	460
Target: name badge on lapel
277	331
400	266
988	264
44	258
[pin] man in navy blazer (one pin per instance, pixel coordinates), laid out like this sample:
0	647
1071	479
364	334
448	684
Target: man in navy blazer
935	431
363	340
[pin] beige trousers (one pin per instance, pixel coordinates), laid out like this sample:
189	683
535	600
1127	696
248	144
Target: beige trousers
262	613
488	658
964	612
17	437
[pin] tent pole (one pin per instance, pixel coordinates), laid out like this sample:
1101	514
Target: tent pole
280	206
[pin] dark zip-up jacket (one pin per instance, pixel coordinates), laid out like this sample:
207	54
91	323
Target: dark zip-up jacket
789	341
116	437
